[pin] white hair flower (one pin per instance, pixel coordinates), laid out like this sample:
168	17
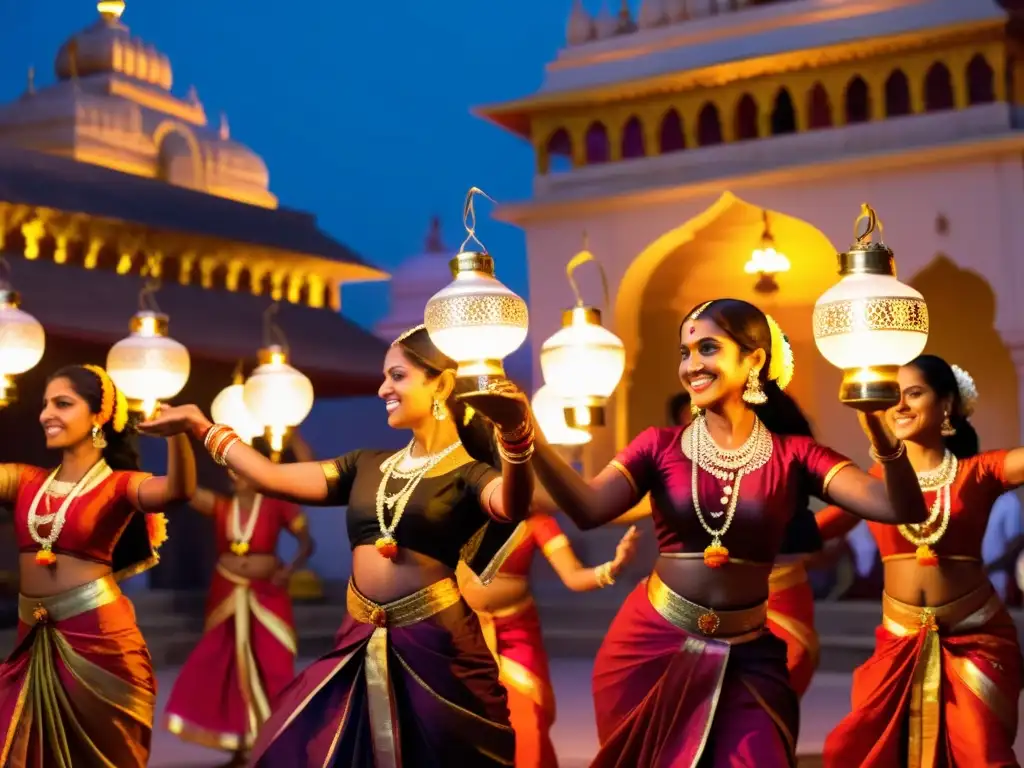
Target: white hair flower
968	390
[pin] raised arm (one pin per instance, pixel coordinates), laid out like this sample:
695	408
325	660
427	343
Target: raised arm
835	522
897	498
10	480
179	484
1013	469
203	501
304	483
576	576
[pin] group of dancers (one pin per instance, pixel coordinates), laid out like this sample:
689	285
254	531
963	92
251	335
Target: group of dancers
438	660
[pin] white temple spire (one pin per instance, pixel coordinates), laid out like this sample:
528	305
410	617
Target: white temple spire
581	25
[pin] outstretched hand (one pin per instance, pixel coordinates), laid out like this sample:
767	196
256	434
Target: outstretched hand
625	550
175	420
502	402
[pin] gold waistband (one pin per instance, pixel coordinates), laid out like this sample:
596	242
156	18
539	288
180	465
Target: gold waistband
913	556
234	578
728	626
970	612
786	575
406	610
700	556
67	605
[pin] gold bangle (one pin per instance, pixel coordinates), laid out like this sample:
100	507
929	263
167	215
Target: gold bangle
901	448
515	458
520	433
603	574
222	459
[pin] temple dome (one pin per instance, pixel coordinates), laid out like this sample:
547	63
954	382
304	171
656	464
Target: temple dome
108	47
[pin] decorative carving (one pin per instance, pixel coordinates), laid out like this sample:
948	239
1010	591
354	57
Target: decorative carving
33	231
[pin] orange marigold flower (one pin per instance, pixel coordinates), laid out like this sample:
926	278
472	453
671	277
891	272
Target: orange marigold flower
156	527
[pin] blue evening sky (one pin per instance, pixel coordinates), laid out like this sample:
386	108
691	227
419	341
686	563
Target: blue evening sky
361	110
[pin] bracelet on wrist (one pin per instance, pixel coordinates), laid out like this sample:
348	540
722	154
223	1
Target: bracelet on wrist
893	455
603	575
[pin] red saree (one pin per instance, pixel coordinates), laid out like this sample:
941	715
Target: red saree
246	657
941	689
791	619
659	681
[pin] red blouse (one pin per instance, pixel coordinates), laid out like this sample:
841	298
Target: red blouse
544	533
274	516
95	520
769	497
979	482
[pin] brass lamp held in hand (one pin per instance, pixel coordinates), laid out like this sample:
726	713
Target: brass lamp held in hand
476	320
869	323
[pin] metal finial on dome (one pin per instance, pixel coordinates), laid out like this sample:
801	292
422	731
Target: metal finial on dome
111	9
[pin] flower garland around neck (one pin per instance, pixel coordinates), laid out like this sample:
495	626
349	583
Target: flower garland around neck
56	520
240	538
386	544
939	480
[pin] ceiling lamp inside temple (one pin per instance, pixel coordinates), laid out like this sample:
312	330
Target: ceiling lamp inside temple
869	323
766	262
148	366
277	396
584	361
229	408
549	410
476	320
22	340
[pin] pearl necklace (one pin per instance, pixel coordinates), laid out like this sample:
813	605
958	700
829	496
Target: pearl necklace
727	466
240	539
36	521
386	545
939	480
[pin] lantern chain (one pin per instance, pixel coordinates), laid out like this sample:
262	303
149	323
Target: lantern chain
469	218
5	274
147	296
577	261
272	333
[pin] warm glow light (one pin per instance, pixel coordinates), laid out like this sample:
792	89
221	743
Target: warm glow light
476	320
229	408
583	363
766	261
111	8
549	410
869	323
148	366
22	343
277	396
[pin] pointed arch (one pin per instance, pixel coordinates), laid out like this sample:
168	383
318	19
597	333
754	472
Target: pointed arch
783	113
672	138
819	108
633	139
596	142
709	126
745	126
981	81
559	148
938	88
897	94
858	101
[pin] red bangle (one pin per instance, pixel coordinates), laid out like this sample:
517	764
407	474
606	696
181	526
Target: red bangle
519	447
199	432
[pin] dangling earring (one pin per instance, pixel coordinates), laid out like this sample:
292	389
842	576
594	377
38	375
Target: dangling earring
99	440
947	429
753	394
438	411
694	409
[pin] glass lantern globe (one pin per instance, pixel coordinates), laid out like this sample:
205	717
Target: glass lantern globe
476	320
148	366
228	408
583	364
277	396
549	410
22	343
869	323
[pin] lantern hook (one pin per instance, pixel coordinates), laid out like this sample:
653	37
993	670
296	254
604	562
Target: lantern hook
272	333
870	223
469	218
147	296
577	261
5	274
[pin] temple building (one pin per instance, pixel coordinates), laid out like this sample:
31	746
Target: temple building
684	138
110	183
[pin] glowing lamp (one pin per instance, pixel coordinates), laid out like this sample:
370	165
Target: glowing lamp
549	410
277	396
476	320
148	366
110	9
229	408
869	323
22	342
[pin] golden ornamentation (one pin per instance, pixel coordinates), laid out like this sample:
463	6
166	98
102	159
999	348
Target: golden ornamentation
875	314
240	537
45	557
40	614
753	394
56	520
927	534
470	310
929	622
408	333
379	617
708	623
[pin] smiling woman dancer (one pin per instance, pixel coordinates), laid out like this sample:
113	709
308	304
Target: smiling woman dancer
943	683
246	657
410	681
687	672
79	689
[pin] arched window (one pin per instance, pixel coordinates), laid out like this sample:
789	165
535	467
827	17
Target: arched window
709	127
746	118
938	88
783	115
981	85
897	94
858	101
597	144
633	139
672	138
560	151
819	108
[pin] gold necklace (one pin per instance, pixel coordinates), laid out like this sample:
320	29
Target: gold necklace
240	539
386	544
729	467
939	480
45	556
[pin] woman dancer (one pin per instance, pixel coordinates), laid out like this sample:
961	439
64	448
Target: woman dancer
411	681
511	627
942	685
79	689
687	671
246	656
